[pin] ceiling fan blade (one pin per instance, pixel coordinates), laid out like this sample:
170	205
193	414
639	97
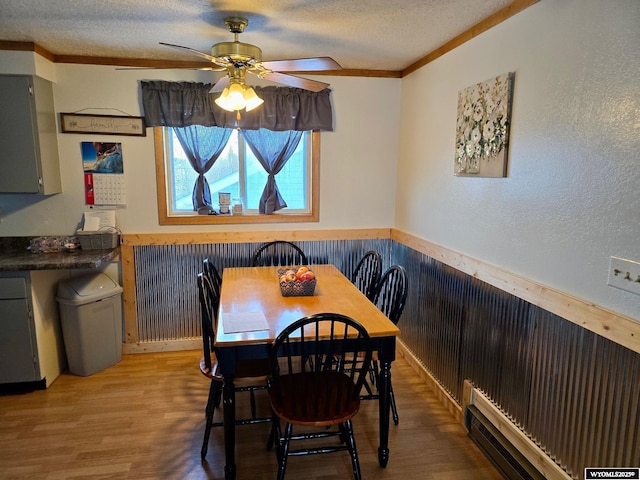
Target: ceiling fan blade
315	64
192	51
294	81
220	85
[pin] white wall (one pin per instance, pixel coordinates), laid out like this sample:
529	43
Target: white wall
358	159
572	195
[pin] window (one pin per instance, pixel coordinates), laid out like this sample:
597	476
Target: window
237	172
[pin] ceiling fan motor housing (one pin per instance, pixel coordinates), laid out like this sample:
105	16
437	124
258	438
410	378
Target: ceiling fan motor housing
237	52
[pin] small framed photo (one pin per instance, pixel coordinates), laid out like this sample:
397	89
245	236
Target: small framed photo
102	124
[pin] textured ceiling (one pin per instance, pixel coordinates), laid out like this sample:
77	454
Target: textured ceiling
359	34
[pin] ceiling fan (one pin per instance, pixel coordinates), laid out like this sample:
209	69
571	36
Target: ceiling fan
238	58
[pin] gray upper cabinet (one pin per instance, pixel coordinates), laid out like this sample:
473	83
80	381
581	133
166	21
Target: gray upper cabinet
28	136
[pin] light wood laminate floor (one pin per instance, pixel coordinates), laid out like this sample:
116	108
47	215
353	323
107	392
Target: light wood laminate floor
143	419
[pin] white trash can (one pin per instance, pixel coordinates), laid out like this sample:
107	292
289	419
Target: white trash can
91	318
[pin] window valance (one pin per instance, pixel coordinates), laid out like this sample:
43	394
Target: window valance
182	104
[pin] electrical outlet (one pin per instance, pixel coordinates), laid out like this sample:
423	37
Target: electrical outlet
624	274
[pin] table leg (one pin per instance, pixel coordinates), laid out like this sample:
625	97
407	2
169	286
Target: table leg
229	413
384	403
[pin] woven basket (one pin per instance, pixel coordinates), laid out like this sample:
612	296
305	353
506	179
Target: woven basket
98	240
296	288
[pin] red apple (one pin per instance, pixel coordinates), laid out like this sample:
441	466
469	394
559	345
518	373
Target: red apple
307	276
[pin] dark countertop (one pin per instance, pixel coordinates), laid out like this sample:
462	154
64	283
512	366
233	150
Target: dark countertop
14	256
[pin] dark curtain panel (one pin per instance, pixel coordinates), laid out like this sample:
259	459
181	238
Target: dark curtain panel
203	146
178	104
181	104
272	149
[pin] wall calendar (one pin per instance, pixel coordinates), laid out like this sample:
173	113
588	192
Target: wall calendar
103	173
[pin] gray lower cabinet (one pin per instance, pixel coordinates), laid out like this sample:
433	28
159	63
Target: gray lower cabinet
31	345
29	159
18	357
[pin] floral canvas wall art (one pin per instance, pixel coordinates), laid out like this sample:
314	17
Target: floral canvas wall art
482	129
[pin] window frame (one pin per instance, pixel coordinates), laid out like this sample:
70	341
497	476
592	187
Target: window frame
164	218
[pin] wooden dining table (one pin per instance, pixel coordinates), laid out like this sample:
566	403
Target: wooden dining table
253	312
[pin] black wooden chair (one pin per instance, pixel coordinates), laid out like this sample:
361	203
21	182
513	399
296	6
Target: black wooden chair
250	375
279	253
367	273
211	272
390	297
308	388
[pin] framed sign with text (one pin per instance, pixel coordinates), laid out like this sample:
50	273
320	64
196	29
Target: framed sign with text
102	124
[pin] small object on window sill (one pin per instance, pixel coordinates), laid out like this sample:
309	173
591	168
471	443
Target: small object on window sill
236	206
213	212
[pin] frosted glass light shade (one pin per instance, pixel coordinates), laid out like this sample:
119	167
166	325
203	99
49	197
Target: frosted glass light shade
221	101
238	97
251	98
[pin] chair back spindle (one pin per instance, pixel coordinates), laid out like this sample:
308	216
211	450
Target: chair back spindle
211	272
391	294
367	273
279	253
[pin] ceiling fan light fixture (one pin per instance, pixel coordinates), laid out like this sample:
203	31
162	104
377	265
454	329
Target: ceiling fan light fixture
238	97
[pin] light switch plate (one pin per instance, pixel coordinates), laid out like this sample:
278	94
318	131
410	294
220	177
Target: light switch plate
624	274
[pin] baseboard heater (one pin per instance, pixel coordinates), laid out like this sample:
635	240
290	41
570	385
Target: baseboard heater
510	450
511	463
